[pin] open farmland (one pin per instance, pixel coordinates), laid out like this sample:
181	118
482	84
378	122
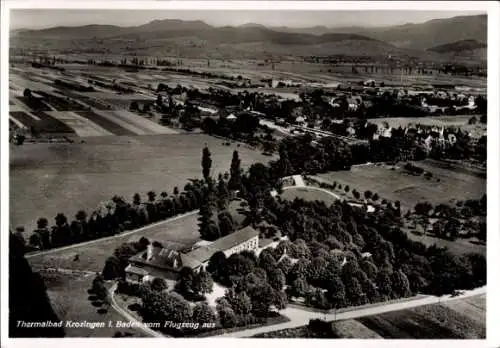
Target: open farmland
449	321
48	179
410	189
70	300
109	116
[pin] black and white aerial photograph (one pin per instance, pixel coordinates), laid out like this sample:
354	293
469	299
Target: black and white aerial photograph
195	173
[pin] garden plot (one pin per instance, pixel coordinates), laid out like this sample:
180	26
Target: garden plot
82	126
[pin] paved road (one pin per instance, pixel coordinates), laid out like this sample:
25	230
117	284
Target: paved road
299	182
299	317
100	240
136	323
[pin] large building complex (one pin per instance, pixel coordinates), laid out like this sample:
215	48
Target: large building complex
166	263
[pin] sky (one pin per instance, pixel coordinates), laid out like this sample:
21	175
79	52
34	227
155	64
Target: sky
45	18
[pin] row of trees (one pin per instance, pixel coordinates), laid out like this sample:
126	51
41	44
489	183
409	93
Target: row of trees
215	221
115	216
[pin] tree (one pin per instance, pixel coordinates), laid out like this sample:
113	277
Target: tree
206	163
134	106
217	266
202	283
400	284
354	291
111	268
226	225
238	265
185	281
368	194
266	260
159	284
227	317
375	197
159	100
299	287
336	292
28	299
44	233
223	194
384	283
203	314
346	188
423	208
262	299
235	172
240	302
276	278
99	288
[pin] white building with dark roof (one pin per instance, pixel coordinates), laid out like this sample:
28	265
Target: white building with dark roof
167	263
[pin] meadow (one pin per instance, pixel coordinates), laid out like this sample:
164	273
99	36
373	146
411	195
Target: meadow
47	179
446	185
70	300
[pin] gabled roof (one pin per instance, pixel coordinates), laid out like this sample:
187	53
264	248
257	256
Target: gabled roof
203	254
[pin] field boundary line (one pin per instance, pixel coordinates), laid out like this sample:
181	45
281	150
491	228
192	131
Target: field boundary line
68	247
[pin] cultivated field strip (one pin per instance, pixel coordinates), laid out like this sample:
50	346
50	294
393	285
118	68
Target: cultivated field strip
82	126
16	122
135	123
23	118
105	123
113	116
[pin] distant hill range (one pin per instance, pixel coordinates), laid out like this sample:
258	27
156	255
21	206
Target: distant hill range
198	39
459	46
419	36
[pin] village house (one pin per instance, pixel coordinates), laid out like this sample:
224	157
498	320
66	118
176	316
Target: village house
166	263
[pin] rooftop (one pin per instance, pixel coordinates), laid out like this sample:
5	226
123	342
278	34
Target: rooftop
204	253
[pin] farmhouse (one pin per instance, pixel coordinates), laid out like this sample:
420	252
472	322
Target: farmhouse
167	263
